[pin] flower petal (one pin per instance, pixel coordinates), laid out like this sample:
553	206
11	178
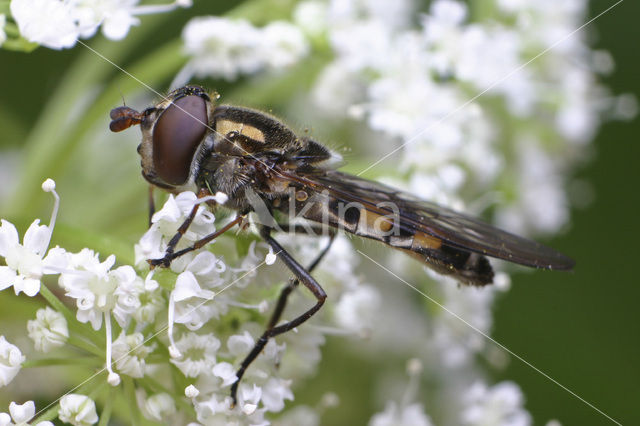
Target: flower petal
187	286
30	287
45	22
37	238
8	237
116	26
22	413
56	260
7	277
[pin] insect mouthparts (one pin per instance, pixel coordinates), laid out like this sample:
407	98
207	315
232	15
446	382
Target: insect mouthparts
124	117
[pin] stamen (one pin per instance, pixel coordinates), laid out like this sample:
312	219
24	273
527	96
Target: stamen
113	379
219	198
49	185
173	349
191	391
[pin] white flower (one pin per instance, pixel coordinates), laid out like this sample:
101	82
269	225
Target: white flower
26	263
249	398
284	43
92	284
185	308
49	330
543	207
456	341
157	407
115	16
337	89
274	392
130	353
357	308
207	269
311	17
226	372
79	410
165	224
11	360
212	409
99	290
21	414
217	410
221	47
188	287
46	22
127	294
198	354
151	302
411	415
240	344
58	24
501	404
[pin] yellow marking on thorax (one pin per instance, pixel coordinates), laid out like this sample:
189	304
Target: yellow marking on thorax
227	126
422	240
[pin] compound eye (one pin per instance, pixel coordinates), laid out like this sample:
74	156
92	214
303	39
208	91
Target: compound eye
176	136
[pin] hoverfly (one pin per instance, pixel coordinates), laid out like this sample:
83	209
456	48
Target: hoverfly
190	143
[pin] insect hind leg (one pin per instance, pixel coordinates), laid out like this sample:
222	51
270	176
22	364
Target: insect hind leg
300	274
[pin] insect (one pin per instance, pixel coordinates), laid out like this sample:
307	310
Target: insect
190	143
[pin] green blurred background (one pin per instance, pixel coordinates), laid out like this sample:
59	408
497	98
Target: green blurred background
581	328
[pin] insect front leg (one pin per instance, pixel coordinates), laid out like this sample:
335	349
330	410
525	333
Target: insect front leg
300	274
152	204
168	253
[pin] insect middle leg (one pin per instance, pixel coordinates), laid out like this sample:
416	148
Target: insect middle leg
300	274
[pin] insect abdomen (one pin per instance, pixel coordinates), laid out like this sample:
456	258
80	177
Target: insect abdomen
465	266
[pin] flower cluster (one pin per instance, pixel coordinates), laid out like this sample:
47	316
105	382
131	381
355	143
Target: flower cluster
453	90
450	89
59	24
226	48
198	304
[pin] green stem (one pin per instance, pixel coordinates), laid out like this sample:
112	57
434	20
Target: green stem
48	415
56	303
130	396
105	415
46	362
83	344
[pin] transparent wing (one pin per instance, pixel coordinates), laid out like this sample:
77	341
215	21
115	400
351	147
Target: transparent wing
455	229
